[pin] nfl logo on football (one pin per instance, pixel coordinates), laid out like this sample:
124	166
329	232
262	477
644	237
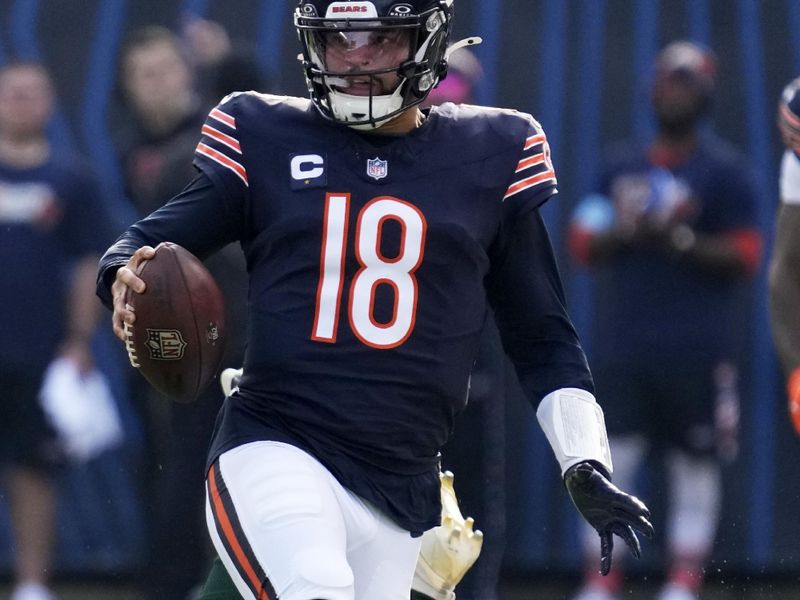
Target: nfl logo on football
377	168
165	344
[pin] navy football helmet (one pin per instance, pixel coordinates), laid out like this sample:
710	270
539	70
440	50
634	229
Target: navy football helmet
365	62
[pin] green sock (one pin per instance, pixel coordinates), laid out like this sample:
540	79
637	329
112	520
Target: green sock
219	585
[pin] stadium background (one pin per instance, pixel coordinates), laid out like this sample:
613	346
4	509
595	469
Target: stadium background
581	67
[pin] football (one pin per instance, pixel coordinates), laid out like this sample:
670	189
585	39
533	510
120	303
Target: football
178	339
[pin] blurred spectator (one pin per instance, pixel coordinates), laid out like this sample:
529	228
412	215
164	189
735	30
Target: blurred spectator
671	237
53	230
156	141
156	149
784	273
221	65
476	450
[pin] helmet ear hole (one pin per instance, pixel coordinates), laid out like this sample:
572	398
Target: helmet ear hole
442	70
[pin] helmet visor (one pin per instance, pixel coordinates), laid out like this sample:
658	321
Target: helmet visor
361	62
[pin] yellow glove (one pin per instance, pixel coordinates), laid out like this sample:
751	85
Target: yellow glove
448	551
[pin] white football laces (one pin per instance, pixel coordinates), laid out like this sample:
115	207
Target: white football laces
129	346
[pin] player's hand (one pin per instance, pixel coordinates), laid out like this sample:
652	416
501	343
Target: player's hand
126	278
793	389
608	509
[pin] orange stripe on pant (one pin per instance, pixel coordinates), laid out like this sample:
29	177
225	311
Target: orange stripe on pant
230	536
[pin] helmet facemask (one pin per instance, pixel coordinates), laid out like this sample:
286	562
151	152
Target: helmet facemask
365	71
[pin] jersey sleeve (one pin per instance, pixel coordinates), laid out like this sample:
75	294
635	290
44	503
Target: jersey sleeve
527	296
534	178
219	152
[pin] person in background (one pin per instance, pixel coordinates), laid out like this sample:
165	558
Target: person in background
156	145
784	268
53	228
156	131
671	238
221	65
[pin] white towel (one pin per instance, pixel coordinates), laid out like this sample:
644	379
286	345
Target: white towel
81	408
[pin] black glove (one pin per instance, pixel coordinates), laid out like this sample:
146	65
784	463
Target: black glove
608	509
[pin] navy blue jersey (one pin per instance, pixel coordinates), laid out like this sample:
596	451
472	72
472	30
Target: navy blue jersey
655	310
50	216
371	260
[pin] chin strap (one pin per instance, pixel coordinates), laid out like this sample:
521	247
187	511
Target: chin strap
470	41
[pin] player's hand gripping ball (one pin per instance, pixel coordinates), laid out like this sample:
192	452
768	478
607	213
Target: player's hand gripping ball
178	338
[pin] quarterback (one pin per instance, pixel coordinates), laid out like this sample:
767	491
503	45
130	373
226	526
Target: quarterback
377	238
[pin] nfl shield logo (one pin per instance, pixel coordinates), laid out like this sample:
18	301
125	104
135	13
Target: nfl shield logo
377	168
165	344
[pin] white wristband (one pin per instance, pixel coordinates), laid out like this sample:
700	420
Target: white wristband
573	422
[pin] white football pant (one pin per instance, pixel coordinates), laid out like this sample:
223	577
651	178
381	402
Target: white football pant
284	526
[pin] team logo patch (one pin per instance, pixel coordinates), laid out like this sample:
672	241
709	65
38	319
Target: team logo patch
377	168
308	171
165	344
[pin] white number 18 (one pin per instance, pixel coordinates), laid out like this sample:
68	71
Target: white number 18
376	269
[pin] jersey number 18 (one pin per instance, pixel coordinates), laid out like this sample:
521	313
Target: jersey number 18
376	269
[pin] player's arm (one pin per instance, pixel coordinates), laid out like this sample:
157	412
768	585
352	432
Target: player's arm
538	335
784	298
83	312
596	237
784	286
88	232
732	254
198	219
784	274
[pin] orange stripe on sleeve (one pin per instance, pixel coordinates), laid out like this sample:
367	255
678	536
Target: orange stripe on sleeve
524	184
222	138
223	160
532	161
533	140
222	117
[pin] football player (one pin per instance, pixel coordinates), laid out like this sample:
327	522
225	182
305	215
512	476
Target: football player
377	237
784	278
